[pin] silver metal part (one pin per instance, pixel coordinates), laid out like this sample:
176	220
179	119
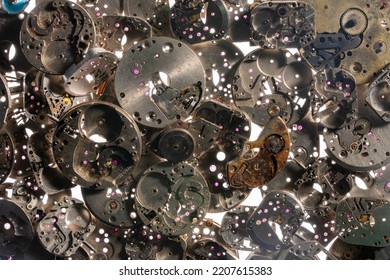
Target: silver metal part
165	88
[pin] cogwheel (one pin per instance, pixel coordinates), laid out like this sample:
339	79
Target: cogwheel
354	21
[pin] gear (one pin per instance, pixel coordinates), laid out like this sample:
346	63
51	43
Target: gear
354	21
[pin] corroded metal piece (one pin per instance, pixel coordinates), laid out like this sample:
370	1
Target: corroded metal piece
256	168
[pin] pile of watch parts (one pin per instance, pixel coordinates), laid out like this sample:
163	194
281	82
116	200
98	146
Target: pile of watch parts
127	125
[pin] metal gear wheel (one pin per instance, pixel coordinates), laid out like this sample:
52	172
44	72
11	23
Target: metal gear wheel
354	21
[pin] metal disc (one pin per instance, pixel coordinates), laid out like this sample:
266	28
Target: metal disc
158	57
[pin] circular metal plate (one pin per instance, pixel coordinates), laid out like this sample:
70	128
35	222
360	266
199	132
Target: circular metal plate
162	58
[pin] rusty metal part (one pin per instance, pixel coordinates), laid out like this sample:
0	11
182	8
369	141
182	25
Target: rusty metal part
256	168
367	59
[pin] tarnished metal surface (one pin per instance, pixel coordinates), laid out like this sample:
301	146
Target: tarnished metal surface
206	129
366	20
262	159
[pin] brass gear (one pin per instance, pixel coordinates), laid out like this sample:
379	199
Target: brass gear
354	21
